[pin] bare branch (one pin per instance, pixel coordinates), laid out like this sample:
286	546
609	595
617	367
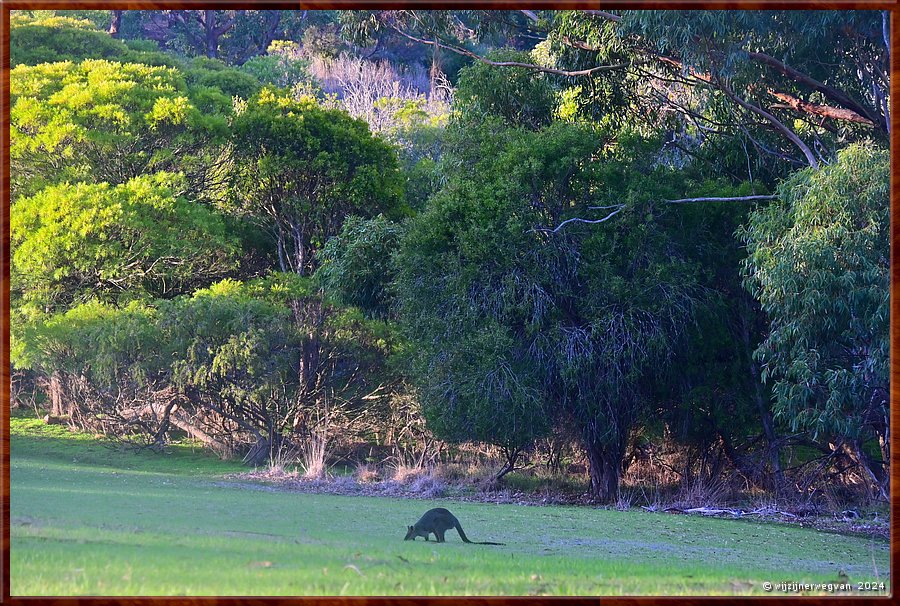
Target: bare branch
826	111
580	220
726	199
835	95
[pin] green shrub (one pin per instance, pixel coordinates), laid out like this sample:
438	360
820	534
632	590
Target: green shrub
60	39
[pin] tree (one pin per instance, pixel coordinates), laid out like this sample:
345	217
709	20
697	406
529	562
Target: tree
101	121
234	358
115	23
71	243
462	274
790	86
355	265
33	41
579	320
520	97
231	35
233	365
711	399
818	261
302	169
97	362
767	73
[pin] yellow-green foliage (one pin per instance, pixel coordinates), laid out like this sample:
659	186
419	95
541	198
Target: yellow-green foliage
101	120
73	241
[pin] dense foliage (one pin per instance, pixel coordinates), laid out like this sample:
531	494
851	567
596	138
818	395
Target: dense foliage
302	169
100	121
126	241
819	264
609	234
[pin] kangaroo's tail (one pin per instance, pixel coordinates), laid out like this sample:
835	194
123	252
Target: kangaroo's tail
465	539
459	529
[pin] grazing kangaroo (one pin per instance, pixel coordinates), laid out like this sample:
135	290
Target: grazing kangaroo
439	521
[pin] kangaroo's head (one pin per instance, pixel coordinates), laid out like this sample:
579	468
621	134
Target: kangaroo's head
410	534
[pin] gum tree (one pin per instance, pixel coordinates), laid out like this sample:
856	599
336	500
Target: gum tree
819	264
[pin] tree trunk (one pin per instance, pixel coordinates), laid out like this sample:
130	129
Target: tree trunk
260	453
605	469
435	68
197	433
308	317
303	257
765	415
512	455
270	33
57	408
212	38
116	23
282	261
874	469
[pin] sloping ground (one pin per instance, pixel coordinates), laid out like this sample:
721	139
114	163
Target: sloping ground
91	520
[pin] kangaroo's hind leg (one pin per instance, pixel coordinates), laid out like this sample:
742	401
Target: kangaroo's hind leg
440	535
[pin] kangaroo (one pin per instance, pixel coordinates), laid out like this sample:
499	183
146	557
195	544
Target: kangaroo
439	521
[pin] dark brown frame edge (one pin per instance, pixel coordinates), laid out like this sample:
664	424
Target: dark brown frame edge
7	5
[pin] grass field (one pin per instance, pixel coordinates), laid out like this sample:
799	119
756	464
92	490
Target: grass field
90	520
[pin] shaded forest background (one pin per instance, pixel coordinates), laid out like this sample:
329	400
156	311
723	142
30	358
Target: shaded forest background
634	252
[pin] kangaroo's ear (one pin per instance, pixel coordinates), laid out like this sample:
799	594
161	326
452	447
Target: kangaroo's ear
409	527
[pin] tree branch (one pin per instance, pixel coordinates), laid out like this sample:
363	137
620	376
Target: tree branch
579	219
726	199
477	57
835	95
826	111
228	24
531	15
779	126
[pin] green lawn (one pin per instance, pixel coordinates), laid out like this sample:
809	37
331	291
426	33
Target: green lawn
87	519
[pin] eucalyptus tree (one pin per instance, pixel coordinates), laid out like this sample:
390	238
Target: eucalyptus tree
791	87
819	261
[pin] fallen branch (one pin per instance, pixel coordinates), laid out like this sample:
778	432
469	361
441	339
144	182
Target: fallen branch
708	511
